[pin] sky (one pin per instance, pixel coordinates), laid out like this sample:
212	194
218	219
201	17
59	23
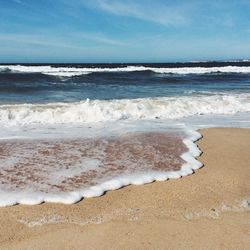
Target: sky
123	30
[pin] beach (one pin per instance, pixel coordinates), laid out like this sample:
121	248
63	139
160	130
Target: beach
124	125
206	210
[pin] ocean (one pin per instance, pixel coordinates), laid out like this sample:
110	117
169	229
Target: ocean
71	131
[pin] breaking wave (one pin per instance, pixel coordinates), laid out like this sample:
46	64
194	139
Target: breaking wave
77	71
124	109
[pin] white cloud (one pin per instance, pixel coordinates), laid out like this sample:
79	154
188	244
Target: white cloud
45	40
21	2
17	1
100	38
149	11
34	40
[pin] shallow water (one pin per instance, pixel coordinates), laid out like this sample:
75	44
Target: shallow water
73	131
54	166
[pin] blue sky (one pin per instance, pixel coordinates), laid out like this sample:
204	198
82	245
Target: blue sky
123	31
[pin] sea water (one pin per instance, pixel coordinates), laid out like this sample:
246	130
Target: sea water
77	130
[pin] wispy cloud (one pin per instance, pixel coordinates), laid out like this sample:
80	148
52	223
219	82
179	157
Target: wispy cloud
34	40
79	38
100	38
162	14
17	1
21	2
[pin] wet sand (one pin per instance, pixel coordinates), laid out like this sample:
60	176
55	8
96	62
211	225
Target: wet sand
68	165
207	210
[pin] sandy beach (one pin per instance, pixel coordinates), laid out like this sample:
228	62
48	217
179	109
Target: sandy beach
207	210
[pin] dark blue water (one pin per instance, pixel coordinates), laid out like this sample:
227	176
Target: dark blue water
38	87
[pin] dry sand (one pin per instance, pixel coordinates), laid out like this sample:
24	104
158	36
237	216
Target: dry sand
207	210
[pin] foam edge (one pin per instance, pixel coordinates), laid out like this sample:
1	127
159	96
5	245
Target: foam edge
188	168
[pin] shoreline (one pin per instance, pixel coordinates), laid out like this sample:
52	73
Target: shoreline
189	166
209	209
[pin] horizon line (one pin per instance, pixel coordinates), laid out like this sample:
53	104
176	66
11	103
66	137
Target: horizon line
131	62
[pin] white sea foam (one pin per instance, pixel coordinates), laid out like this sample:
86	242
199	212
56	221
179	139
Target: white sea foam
76	71
125	109
8	198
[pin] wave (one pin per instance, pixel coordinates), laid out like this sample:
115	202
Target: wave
77	71
125	109
29	197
